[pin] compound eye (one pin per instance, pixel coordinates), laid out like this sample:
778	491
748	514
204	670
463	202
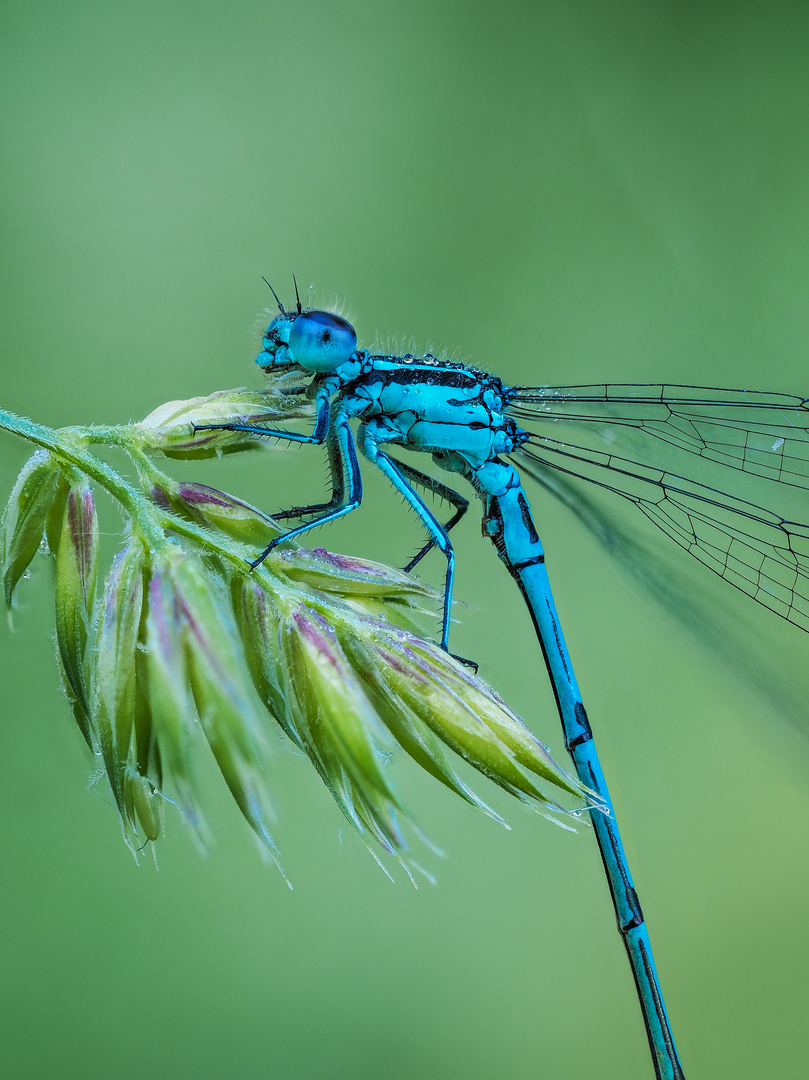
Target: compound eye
321	341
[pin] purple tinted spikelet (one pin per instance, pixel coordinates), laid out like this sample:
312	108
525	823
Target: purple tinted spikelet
75	588
172	711
173	429
114	698
221	688
214	509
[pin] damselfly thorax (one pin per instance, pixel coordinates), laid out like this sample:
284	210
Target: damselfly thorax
432	406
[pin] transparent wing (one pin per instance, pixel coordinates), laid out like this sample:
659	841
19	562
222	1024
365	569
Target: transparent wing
723	473
761	434
759	659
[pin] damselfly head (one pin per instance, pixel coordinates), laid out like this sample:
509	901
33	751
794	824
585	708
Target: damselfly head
316	341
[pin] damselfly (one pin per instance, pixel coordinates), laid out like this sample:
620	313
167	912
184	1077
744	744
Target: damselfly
724	473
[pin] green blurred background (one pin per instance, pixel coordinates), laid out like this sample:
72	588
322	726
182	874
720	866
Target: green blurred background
564	192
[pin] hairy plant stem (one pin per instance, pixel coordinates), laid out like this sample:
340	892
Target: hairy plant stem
149	520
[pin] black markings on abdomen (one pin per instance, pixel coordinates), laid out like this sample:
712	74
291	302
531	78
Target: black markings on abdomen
533	561
527	520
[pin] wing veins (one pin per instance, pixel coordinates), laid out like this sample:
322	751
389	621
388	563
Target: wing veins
698	424
774	574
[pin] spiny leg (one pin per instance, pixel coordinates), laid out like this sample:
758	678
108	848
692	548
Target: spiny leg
318	436
337	478
319	432
443	492
347	481
290	436
393	470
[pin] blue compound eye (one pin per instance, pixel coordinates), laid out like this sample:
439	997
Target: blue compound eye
321	341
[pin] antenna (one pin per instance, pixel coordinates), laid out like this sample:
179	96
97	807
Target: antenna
275	294
297	297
